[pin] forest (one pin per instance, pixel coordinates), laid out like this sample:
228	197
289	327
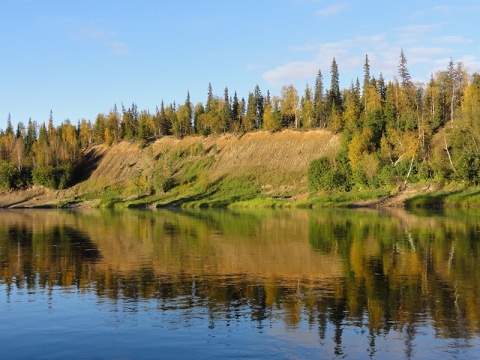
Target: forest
393	132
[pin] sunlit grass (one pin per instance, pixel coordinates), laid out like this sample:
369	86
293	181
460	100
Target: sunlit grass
462	198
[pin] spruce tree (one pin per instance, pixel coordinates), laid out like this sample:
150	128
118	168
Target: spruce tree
227	110
235	108
9	129
208	105
259	107
403	71
334	96
251	115
318	101
366	74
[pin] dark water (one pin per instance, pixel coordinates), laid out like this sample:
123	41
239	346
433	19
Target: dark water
327	284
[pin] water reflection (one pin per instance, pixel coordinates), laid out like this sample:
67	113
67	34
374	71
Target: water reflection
337	271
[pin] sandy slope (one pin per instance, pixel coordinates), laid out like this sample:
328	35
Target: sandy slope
282	156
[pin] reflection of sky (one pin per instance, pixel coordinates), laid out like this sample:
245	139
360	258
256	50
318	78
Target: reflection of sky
66	323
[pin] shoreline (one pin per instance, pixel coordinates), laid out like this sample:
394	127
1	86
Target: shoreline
413	196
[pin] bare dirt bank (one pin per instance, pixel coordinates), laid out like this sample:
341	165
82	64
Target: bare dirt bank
279	161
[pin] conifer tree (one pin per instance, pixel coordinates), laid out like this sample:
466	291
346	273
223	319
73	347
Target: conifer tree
235	113
366	80
251	115
403	71
9	129
199	111
162	123
31	135
227	110
319	101
208	105
258	107
334	96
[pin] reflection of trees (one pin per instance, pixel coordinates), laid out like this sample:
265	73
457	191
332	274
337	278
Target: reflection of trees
60	255
367	269
403	270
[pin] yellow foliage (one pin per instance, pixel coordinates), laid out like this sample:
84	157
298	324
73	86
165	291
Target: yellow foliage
108	137
359	147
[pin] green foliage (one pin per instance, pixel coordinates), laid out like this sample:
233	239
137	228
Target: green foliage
468	168
317	174
58	178
196	169
161	180
13	178
321	176
8	175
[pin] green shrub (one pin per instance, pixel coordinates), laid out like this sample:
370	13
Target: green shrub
321	176
8	175
57	178
162	182
316	174
469	168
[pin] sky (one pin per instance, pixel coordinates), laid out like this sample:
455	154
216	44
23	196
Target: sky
80	58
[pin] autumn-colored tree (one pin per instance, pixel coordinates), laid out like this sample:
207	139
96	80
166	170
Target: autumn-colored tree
198	112
272	118
113	124
99	129
146	127
307	112
289	106
85	133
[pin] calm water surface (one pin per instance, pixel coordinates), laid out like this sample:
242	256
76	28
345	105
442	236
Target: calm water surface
358	284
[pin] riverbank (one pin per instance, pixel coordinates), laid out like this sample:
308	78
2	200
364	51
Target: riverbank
253	170
233	195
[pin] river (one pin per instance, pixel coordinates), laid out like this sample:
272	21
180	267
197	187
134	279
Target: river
259	284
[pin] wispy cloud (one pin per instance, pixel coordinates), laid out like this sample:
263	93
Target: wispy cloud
443	8
95	32
291	72
103	36
331	10
421	28
350	55
447	9
452	39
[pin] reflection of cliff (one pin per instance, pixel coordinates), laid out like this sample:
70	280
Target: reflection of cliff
333	266
223	243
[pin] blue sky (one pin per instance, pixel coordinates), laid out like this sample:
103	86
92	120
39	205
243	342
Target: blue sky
79	58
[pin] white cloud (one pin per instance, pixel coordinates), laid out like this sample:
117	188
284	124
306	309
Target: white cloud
331	10
453	39
448	10
471	63
421	28
443	8
103	36
291	72
118	47
428	47
427	51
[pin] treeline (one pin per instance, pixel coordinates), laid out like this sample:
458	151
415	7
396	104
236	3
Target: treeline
393	132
